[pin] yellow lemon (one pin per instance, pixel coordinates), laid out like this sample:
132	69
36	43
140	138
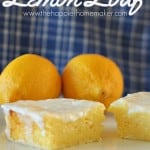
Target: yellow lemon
31	77
92	77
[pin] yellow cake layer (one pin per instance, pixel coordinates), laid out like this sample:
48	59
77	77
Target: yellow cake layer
132	114
50	128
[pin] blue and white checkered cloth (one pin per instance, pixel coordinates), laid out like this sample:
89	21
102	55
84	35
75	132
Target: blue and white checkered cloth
125	39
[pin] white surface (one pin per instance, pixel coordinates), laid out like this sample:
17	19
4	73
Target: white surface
110	140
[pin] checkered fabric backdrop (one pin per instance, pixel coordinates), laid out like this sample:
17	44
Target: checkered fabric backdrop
125	39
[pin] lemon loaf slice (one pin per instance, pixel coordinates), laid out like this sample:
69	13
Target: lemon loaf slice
133	116
54	123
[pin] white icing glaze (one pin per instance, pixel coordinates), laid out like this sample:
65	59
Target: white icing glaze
137	102
7	131
66	109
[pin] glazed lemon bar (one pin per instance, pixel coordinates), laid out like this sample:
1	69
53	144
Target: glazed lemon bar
54	123
133	116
